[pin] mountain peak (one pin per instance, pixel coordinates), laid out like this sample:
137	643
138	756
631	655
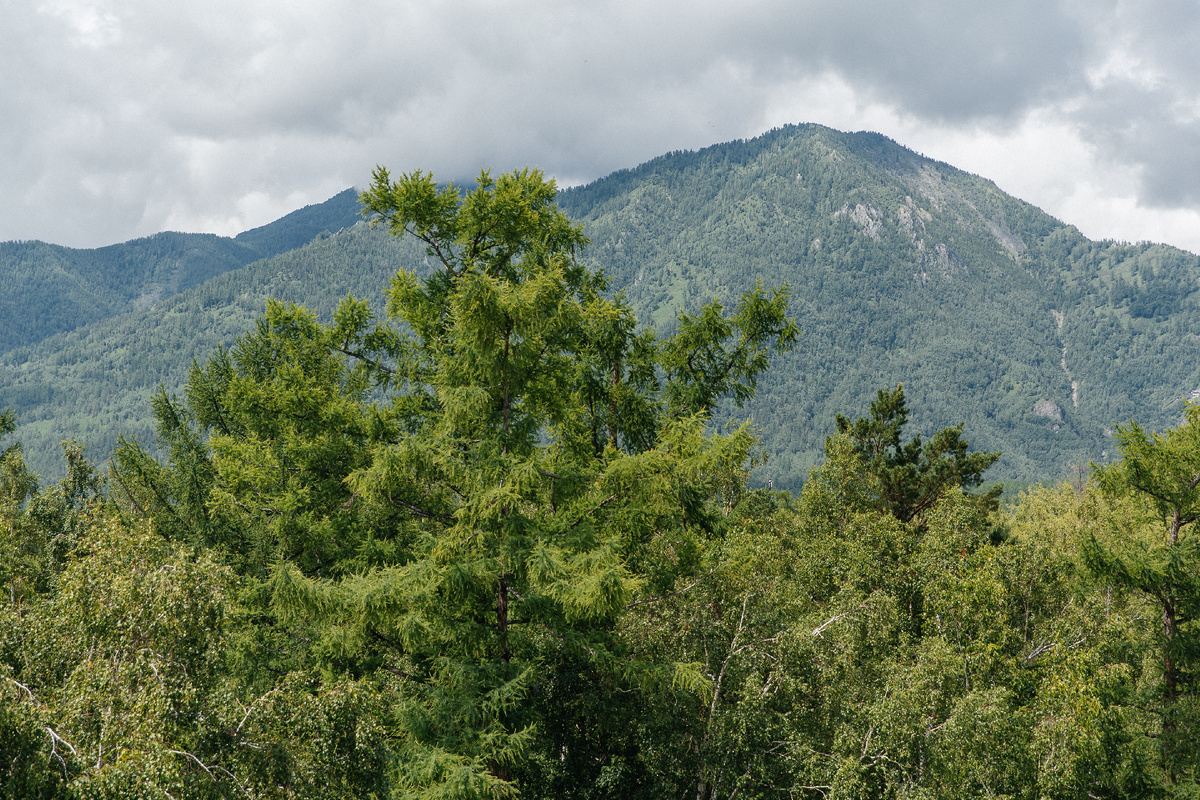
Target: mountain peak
901	268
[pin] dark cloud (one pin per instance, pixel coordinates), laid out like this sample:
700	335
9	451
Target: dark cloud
1153	129
120	118
942	59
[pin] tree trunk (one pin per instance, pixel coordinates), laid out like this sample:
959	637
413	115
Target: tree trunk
502	617
1170	691
612	404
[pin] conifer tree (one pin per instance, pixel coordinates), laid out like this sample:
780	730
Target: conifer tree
910	477
462	498
1162	472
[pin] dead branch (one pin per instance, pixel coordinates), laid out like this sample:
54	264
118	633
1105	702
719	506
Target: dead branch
820	628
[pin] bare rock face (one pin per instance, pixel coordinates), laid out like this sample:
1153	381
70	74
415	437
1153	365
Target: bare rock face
946	260
868	218
1048	408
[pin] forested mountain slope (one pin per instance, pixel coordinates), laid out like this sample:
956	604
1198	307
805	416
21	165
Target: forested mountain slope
303	225
902	269
47	289
906	269
95	383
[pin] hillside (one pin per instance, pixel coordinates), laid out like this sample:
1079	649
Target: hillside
338	597
95	383
902	269
905	269
47	289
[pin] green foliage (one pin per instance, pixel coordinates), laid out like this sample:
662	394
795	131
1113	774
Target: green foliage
1160	473
117	684
113	322
303	225
909	478
659	642
449	504
490	544
903	270
16	481
1162	468
701	368
97	383
887	659
117	662
39	529
46	289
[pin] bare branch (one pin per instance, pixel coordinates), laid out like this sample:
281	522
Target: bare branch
603	503
420	512
819	629
193	758
54	740
209	771
23	686
370	362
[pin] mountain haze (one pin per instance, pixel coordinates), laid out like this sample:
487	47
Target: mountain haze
902	269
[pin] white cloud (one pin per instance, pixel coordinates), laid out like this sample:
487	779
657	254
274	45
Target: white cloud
121	119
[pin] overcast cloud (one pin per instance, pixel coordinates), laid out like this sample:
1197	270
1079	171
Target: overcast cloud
120	118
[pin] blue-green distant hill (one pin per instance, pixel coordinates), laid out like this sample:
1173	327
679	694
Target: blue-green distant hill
47	289
902	269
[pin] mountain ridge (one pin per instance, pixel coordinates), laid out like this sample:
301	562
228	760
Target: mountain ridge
64	288
895	260
902	269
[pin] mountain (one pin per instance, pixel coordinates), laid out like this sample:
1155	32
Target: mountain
95	383
303	225
902	269
47	289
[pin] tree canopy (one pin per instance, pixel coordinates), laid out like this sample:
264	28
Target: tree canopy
910	477
496	542
468	493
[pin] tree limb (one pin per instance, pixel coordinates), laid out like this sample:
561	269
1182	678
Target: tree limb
820	628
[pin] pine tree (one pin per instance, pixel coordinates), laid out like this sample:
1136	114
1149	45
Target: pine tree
1161	471
910	477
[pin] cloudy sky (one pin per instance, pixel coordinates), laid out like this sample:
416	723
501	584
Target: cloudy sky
120	118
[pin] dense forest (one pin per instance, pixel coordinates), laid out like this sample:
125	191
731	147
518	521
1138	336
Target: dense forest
47	289
907	269
901	268
498	542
